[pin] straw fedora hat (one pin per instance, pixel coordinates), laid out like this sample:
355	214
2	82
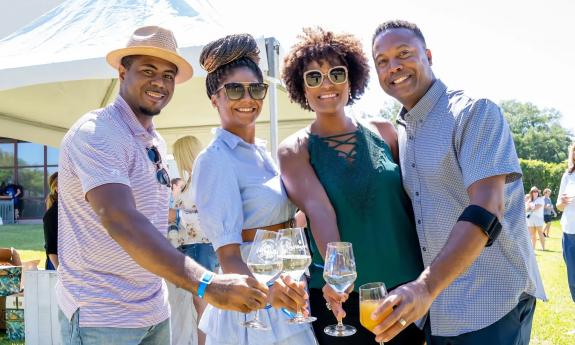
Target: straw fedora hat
157	42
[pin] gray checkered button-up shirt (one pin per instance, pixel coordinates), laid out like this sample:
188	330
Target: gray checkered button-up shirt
447	142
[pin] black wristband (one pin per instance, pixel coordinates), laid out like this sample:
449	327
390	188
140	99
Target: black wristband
484	219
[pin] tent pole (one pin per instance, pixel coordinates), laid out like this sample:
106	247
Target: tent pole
108	94
272	50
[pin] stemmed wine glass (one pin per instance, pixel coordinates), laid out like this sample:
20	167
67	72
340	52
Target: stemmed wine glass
265	264
339	272
370	297
296	259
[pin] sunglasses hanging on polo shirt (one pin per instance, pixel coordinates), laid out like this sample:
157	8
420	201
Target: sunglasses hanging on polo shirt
161	173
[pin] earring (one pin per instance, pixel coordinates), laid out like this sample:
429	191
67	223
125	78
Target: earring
350	94
306	103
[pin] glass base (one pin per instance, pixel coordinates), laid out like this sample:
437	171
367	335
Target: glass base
340	331
256	324
301	320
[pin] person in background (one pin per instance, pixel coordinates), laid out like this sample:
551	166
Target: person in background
191	241
237	189
177	185
565	203
50	221
345	177
16	192
535	222
548	212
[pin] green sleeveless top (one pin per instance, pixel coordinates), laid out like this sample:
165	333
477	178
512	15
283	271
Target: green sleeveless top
373	211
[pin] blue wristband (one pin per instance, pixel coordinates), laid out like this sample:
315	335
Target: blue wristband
207	278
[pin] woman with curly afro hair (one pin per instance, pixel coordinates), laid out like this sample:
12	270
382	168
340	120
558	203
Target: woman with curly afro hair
345	177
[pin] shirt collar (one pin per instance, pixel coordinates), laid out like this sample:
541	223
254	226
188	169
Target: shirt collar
233	140
130	119
425	104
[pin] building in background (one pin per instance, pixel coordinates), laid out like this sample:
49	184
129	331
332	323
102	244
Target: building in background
29	165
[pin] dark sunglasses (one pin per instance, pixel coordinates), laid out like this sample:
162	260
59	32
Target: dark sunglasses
161	173
235	91
314	77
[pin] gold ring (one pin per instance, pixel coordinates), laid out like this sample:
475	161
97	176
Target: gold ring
328	306
402	322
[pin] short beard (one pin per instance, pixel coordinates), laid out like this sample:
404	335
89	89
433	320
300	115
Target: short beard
148	112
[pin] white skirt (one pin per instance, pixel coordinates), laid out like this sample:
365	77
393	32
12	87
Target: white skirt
223	327
535	220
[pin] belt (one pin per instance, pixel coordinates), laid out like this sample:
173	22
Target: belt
248	235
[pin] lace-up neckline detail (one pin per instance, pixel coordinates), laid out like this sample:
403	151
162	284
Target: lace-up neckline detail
344	145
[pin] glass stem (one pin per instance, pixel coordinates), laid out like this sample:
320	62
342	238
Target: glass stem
339	325
299	314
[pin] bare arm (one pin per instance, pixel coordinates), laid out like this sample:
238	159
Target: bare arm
464	245
307	193
305	190
115	205
230	259
389	134
54	260
562	201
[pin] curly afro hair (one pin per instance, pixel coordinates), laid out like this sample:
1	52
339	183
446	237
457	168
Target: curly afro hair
316	45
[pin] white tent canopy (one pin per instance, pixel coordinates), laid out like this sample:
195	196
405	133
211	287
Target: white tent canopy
53	70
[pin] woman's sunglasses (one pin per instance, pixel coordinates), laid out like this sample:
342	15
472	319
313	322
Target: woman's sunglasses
161	173
236	91
314	77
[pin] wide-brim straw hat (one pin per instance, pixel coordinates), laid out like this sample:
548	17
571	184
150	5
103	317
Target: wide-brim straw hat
157	42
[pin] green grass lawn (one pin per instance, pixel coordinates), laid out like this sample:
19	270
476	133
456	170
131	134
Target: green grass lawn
552	319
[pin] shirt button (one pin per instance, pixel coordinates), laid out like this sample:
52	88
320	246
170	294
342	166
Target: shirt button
423	249
419	221
413	165
411	137
416	193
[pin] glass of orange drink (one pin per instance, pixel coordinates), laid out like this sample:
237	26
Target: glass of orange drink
370	297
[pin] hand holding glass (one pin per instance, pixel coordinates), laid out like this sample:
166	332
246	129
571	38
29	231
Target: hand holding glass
370	297
265	264
296	259
339	272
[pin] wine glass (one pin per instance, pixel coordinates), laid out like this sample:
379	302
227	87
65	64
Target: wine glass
370	297
265	264
296	259
339	272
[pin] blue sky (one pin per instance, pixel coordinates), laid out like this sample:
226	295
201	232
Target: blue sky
506	49
500	49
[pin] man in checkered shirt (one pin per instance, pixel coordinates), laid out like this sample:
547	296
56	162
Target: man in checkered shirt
461	171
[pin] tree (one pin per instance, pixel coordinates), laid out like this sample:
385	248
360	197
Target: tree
537	133
389	112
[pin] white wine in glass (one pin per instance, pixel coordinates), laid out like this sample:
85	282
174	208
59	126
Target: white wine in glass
296	259
339	272
265	264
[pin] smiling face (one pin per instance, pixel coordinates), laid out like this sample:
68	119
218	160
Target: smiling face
403	65
147	85
237	115
327	98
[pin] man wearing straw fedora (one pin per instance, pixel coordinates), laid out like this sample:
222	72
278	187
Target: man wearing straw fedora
113	213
